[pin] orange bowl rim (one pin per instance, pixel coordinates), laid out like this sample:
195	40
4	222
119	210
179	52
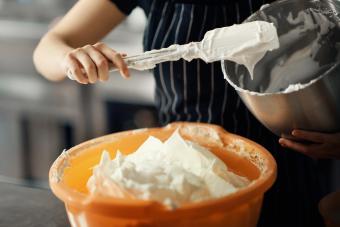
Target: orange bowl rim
72	197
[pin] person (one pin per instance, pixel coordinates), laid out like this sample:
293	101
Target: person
191	91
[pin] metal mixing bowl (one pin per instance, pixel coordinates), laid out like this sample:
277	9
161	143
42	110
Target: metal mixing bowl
316	107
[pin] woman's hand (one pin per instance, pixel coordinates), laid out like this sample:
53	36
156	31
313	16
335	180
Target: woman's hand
322	145
90	63
64	47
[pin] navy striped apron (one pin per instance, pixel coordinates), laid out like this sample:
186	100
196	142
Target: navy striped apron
196	91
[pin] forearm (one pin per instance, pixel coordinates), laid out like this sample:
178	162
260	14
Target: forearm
48	56
75	30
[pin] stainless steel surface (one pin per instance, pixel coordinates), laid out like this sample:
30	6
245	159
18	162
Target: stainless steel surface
316	107
334	5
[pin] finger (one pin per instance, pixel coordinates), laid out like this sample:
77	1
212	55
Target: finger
115	58
315	137
319	151
69	74
312	150
293	145
121	65
88	65
100	61
330	150
73	69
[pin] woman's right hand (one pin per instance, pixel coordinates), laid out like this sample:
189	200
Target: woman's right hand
90	63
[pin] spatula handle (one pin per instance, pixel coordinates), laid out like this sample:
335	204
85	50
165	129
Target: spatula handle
149	59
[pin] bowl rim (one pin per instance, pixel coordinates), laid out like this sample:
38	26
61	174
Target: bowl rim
152	209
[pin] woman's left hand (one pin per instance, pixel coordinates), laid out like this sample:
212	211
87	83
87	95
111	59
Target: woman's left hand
319	145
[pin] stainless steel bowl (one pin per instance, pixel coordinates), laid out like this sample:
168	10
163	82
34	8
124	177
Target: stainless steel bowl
316	107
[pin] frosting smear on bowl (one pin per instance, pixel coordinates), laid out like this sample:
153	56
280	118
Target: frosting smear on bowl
173	172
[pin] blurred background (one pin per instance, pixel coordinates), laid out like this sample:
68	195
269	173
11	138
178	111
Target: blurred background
38	118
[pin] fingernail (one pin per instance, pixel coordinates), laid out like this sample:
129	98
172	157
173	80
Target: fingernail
69	74
123	74
281	142
126	73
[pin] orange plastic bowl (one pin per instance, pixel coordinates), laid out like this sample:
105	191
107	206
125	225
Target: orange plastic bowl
69	174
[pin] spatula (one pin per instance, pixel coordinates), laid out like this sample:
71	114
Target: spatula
244	44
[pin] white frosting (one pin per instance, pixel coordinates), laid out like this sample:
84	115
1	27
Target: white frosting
172	173
291	70
300	65
293	87
264	6
244	44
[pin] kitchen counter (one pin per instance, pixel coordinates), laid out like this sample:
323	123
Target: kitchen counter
30	207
